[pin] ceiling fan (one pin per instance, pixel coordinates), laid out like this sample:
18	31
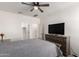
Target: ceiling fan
36	6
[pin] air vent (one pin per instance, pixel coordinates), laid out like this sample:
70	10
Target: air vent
35	15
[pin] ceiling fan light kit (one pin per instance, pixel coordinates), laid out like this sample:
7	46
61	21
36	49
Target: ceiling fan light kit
35	7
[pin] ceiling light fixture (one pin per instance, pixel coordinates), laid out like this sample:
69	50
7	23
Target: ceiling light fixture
36	6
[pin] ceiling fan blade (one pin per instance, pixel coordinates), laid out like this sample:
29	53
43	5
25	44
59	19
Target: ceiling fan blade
40	9
32	9
44	5
26	3
37	3
34	3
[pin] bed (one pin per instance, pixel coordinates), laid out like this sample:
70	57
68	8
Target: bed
29	48
62	40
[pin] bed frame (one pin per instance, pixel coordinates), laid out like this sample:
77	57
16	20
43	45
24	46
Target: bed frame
60	39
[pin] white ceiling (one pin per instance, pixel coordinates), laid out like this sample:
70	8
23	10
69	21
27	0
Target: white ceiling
16	7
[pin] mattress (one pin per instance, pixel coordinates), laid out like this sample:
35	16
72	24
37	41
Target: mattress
29	48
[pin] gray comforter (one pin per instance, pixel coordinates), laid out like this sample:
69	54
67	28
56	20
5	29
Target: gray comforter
29	48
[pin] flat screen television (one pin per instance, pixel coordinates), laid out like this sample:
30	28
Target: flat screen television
56	28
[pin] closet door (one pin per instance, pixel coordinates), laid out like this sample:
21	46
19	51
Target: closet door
34	31
25	31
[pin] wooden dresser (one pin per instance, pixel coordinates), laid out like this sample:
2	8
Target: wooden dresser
60	39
